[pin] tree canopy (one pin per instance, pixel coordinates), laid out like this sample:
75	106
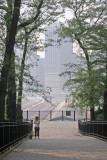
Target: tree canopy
88	30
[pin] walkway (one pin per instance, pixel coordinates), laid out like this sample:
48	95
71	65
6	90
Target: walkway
60	141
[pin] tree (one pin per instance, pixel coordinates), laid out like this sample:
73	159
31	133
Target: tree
10	41
44	16
37	13
11	92
101	60
83	29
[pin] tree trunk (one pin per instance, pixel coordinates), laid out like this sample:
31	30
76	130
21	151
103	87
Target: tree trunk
105	96
92	113
11	93
105	106
20	88
7	57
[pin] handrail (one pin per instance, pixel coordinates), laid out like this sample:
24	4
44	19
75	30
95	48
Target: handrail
12	132
93	128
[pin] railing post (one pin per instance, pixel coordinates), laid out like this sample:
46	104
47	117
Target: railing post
50	115
86	115
62	115
74	115
30	129
102	128
9	133
39	115
27	114
3	133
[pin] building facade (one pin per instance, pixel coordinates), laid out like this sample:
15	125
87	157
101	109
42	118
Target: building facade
55	58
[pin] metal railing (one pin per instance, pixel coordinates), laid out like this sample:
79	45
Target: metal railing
12	132
53	115
93	128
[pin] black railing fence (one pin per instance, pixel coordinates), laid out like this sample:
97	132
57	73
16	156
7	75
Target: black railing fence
12	132
50	115
93	128
54	115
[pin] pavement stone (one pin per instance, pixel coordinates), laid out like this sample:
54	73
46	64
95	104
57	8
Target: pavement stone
60	141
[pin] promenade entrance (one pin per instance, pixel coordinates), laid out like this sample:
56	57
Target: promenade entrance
60	141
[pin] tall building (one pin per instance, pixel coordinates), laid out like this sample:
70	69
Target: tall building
55	58
48	68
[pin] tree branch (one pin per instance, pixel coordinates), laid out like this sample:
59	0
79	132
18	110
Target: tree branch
24	24
4	8
98	61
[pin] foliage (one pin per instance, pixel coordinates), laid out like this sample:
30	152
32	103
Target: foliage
33	16
99	114
88	30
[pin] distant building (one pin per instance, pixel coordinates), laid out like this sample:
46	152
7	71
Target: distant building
55	58
47	70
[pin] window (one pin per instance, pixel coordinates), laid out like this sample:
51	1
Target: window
68	113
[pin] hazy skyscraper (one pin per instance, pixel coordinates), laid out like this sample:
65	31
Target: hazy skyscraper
55	58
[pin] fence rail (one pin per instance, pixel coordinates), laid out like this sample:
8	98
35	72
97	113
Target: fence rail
93	128
12	132
54	115
50	115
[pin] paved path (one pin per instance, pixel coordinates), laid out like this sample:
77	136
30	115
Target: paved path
60	141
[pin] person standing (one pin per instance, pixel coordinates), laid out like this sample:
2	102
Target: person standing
37	124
